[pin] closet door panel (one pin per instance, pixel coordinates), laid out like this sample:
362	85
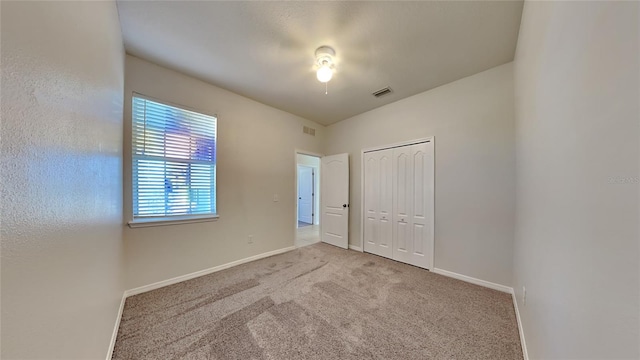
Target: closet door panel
402	173
419	205
422	164
401	241
370	201
403	202
419	175
378	203
370	231
385	203
417	242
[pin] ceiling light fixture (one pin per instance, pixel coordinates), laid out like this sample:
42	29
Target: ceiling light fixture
324	61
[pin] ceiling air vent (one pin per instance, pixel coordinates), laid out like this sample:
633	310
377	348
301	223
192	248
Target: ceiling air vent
382	92
308	130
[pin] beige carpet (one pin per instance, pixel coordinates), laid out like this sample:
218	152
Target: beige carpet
320	302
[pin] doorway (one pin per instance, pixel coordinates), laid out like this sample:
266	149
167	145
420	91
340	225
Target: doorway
308	199
306	195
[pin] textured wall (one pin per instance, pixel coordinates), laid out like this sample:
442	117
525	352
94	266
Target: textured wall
577	81
473	123
256	159
62	85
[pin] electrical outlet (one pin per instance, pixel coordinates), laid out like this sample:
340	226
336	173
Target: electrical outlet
250	241
276	198
524	295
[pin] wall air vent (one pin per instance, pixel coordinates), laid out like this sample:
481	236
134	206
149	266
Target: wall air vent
308	130
382	92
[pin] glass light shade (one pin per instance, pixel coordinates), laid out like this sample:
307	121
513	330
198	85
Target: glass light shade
324	74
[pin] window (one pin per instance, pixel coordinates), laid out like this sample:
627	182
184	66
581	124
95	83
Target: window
174	163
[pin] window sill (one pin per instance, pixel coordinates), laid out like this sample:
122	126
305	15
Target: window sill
173	220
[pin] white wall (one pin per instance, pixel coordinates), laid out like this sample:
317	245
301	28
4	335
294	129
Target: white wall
472	120
314	162
62	261
256	159
576	80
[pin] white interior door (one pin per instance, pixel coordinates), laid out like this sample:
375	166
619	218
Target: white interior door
378	202
334	187
305	194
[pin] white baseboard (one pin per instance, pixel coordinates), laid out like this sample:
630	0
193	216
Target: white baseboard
472	280
523	343
114	335
356	248
177	279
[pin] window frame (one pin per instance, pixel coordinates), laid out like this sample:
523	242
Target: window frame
172	219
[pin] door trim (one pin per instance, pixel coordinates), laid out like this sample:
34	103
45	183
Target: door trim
430	139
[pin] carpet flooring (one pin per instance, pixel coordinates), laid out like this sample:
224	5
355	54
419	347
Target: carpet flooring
320	302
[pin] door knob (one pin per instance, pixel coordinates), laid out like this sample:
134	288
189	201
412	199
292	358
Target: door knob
344	205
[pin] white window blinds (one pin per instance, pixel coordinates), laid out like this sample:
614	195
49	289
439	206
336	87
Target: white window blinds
174	161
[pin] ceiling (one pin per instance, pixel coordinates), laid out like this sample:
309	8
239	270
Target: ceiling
265	50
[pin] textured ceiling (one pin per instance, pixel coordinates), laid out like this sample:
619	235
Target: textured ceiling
265	50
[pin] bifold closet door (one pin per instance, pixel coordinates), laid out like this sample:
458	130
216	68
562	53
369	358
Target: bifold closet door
413	204
378	202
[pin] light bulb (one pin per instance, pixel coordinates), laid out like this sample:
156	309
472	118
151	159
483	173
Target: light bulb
324	74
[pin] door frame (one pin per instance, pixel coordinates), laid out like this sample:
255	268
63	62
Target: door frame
430	139
316	178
